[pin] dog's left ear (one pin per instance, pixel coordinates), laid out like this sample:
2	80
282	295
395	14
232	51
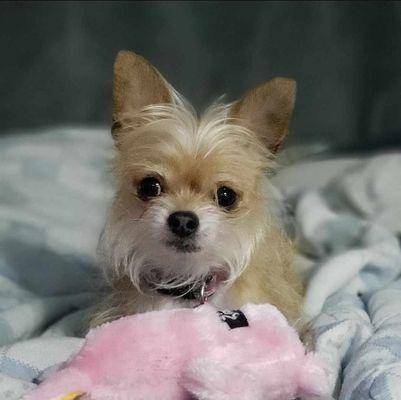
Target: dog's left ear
266	110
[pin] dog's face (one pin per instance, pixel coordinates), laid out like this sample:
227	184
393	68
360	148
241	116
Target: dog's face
192	194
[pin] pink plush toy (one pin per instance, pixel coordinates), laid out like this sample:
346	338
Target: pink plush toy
183	354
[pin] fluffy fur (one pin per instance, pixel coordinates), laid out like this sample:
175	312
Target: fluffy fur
187	354
191	156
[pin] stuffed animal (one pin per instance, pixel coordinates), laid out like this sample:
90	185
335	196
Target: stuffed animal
183	354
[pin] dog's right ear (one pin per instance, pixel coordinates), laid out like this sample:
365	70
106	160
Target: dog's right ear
136	84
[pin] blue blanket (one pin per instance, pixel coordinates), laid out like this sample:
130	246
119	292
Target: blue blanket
348	235
54	191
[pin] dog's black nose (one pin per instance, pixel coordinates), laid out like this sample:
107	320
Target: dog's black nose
183	223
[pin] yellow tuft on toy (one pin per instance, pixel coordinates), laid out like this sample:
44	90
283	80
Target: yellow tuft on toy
72	396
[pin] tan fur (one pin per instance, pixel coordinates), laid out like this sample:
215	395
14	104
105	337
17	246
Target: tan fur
270	278
267	109
160	135
136	84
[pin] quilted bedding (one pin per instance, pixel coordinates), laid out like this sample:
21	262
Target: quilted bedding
348	232
54	190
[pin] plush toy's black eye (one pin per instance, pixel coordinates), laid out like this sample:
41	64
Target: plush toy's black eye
226	197
149	187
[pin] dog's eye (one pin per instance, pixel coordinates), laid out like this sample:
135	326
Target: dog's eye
226	197
149	187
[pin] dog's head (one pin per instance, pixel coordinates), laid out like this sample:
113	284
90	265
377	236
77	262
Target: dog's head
191	193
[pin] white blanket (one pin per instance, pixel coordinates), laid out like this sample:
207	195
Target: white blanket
54	191
348	233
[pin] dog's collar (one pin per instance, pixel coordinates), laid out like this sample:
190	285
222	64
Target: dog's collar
200	291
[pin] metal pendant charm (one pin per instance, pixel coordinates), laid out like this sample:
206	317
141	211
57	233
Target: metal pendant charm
202	293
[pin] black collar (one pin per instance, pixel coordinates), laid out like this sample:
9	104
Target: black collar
187	292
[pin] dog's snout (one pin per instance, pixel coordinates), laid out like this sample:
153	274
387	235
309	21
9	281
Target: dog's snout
183	223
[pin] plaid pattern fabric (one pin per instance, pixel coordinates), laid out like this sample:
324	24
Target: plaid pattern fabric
54	191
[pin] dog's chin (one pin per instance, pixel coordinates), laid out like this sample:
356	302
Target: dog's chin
183	246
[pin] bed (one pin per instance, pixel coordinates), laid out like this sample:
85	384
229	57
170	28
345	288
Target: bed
345	214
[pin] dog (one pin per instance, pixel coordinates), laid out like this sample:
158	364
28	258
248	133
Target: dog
192	218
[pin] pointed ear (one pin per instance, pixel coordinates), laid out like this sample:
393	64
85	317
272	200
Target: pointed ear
136	84
266	110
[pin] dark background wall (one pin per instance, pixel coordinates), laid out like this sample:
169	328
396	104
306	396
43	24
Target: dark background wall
56	60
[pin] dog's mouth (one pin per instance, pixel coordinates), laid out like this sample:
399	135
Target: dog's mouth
184	246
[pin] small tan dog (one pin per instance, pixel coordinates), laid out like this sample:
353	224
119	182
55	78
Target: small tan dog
191	218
